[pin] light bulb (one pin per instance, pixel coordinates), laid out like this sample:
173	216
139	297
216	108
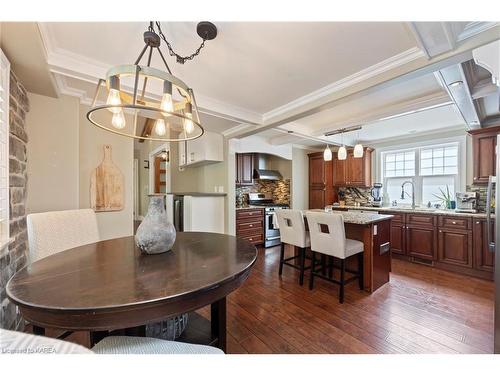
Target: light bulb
327	154
118	120
342	153
358	151
188	124
114	99
166	103
160	127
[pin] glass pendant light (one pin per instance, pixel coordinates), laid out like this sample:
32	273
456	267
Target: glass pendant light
358	149
166	101
114	95
188	122
160	127
342	152
118	120
327	154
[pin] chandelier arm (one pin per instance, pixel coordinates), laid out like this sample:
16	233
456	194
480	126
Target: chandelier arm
141	54
146	78
180	59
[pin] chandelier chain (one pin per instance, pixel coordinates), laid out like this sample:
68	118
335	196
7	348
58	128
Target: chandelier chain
180	59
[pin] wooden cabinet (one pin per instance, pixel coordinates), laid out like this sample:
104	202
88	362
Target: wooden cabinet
398	233
250	225
484	142
484	260
353	171
244	169
455	247
421	242
321	191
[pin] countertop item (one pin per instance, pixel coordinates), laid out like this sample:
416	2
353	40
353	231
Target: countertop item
198	194
124	288
416	210
106	185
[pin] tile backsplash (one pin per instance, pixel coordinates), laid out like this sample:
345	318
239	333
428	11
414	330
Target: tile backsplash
482	190
355	195
280	190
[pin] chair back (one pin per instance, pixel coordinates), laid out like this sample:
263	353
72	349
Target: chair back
292	227
332	243
52	232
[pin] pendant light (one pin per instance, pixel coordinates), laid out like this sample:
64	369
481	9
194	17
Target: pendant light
327	154
358	149
125	90
342	152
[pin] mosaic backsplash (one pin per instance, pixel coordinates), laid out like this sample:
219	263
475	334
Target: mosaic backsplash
280	190
355	195
482	190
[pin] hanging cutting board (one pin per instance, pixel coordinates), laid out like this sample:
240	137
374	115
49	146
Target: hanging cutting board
106	185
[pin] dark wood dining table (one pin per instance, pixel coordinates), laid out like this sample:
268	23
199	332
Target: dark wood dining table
110	285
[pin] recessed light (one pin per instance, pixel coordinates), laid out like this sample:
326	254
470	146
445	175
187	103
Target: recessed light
455	84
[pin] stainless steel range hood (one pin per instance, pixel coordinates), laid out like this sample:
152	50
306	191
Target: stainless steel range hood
261	171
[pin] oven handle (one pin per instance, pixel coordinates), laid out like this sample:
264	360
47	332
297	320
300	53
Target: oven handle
272	238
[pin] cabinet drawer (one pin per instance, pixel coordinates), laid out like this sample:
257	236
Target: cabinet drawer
256	238
455	222
249	226
398	216
249	214
421	220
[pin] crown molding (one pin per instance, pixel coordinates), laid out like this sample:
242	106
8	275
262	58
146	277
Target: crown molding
474	28
393	62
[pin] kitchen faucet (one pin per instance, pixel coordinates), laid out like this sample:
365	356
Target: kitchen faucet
412	192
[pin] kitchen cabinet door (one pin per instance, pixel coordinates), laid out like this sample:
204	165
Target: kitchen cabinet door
355	170
421	242
317	197
398	238
244	169
339	171
484	143
317	170
483	258
455	247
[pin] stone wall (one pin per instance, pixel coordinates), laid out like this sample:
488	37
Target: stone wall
15	257
280	190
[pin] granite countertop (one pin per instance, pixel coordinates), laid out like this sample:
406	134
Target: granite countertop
248	207
416	210
362	218
198	194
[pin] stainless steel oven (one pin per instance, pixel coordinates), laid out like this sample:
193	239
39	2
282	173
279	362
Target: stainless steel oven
271	234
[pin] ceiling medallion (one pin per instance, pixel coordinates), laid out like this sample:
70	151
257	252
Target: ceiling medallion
129	110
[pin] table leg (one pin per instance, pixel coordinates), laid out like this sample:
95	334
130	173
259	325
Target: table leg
39	331
218	322
96	336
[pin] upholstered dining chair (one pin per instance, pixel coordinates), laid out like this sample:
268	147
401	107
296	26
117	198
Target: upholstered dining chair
293	232
328	237
13	342
52	232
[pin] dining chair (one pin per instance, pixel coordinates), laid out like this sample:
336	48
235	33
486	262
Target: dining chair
14	342
328	237
293	232
52	232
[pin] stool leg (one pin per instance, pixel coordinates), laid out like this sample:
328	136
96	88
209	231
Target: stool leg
282	257
330	267
342	280
302	264
311	277
361	260
323	264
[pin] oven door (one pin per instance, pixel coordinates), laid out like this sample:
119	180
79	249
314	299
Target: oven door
272	234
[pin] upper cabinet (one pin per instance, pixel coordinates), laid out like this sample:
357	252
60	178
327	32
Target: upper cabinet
353	172
207	149
484	142
244	169
321	191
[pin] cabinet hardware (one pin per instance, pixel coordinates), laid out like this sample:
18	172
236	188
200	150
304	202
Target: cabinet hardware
440	231
453	222
250	239
251	225
477	223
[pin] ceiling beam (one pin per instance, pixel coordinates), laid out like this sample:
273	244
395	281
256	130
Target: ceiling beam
147	129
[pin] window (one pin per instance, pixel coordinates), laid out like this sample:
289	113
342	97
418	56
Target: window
4	148
432	169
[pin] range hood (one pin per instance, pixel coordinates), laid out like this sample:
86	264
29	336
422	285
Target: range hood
261	171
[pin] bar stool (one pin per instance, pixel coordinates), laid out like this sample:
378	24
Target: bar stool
293	232
328	237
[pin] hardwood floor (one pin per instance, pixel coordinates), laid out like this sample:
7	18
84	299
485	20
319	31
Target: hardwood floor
422	310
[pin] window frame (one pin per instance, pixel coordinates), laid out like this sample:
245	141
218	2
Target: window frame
417	180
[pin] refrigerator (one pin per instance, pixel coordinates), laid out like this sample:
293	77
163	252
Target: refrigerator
494	241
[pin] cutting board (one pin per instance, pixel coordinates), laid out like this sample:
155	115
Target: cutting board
106	185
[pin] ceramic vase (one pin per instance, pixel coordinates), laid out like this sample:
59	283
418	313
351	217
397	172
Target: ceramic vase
155	234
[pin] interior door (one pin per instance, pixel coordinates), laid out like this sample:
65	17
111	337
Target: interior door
160	185
496	248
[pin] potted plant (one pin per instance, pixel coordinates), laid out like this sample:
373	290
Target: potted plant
446	198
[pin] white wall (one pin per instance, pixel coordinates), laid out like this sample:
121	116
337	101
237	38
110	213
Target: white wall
92	139
52	128
300	179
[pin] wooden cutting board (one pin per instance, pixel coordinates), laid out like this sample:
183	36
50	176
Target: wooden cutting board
106	185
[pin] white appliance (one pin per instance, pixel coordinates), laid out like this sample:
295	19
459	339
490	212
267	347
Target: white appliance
494	242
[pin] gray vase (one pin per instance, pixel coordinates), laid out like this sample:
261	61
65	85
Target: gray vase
155	234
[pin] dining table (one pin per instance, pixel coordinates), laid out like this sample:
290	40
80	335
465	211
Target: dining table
110	285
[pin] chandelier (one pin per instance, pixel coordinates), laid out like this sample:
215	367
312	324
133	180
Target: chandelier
146	103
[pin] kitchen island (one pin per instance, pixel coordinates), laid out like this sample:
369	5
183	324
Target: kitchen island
374	230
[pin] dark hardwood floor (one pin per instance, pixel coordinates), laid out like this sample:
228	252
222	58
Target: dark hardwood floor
422	310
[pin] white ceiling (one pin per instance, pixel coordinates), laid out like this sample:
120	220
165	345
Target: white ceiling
253	65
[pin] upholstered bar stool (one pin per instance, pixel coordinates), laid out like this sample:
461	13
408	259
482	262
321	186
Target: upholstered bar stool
328	237
293	232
